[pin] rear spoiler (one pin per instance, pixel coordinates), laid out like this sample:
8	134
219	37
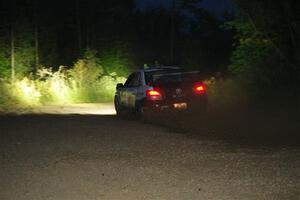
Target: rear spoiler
176	73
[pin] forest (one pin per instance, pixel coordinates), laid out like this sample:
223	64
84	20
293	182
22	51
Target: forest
76	51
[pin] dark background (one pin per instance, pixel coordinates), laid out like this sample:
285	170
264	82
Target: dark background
142	31
255	42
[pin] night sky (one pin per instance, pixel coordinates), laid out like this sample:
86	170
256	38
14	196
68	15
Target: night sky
216	6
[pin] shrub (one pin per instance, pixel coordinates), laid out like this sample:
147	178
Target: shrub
25	92
21	93
88	81
84	83
84	76
54	86
5	97
106	86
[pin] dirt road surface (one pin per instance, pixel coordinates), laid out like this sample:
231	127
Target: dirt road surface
98	157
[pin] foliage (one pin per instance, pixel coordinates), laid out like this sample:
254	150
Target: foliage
124	36
261	58
24	53
106	87
5	96
24	49
117	60
92	82
4	62
255	58
21	93
83	83
53	85
24	61
86	70
25	92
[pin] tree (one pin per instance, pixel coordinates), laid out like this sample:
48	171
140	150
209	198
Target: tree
206	46
12	39
16	40
266	48
36	35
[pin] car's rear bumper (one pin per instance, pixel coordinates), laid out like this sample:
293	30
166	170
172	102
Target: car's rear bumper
195	104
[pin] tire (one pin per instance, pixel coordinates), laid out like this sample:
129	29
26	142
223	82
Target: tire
142	113
120	110
139	110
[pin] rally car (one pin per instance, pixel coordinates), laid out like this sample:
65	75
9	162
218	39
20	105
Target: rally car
160	89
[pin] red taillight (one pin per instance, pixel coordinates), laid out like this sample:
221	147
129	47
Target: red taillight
153	94
199	88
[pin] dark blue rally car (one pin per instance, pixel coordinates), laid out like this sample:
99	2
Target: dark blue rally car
160	89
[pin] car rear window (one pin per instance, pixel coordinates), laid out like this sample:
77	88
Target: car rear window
166	77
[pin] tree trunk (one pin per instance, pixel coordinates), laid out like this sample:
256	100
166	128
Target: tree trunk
36	35
12	40
88	32
12	53
78	24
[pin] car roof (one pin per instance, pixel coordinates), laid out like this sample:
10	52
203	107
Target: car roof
164	68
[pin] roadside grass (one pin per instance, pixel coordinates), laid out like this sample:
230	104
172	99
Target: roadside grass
55	88
87	81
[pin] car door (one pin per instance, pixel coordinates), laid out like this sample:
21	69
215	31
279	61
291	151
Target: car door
134	90
124	90
130	90
139	92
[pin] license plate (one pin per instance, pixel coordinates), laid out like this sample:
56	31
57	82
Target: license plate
180	106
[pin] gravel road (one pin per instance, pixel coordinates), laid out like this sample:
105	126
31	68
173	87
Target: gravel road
98	157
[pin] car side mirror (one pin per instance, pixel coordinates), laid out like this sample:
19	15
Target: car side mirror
119	85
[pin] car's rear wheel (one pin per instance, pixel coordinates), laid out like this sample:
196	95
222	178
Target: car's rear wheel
120	110
141	112
138	110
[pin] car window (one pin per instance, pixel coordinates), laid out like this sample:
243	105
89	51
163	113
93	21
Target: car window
134	80
165	77
137	80
150	76
129	80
